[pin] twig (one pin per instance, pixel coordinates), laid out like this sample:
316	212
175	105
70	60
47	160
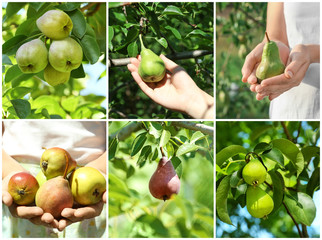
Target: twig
288	135
296	224
177	56
298	132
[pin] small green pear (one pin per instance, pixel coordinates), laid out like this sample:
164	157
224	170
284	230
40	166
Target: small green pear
65	55
259	203
54	77
32	57
152	67
254	173
55	24
271	64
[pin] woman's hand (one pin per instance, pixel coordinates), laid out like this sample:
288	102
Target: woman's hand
177	91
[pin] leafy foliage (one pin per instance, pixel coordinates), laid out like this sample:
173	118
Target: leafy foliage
167	28
239	28
28	95
292	166
133	212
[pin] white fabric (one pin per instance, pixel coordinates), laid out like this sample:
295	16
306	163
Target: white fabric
84	140
303	27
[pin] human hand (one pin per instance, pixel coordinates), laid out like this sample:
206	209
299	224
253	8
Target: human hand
72	215
297	65
254	58
177	91
34	214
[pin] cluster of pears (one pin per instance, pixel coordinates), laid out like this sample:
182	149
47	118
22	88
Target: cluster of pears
164	181
152	67
259	203
271	64
51	190
64	53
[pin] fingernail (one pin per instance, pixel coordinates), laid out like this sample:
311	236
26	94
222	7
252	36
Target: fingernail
290	74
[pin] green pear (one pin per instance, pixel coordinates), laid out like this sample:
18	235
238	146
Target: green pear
65	55
152	67
55	24
54	77
259	203
87	185
271	64
254	173
41	178
32	57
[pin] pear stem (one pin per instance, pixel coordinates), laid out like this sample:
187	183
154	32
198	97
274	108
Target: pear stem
67	163
162	152
142	45
267	37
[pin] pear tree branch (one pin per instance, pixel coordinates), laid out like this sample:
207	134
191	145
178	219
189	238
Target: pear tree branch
177	56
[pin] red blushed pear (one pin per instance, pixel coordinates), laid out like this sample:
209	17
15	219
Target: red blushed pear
164	181
23	188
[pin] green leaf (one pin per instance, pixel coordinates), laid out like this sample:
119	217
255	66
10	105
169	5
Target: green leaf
11	46
172	10
14	7
170	149
154	22
27	27
79	23
18	92
115	4
262	147
110	37
133	49
259	131
154	224
221	200
177	164
309	152
162	42
292	152
196	136
229	152
302	207
14	74
70	103
69	6
174	31
155	129
90	48
314	182
49	103
276	155
235	179
278	189
146	150
165	137
78	73
6	60
112	148
22	108
186	148
198	32
138	143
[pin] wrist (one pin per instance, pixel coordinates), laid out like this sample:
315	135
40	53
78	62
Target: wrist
200	106
314	52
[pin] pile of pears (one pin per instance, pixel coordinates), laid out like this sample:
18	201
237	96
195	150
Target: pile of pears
64	53
259	203
54	189
271	64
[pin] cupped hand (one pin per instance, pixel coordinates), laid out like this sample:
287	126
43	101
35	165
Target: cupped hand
33	213
72	215
297	65
254	58
177	91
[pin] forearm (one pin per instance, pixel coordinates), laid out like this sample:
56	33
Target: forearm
10	165
314	52
200	106
275	23
99	163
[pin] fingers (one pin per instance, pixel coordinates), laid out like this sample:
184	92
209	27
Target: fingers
26	212
104	197
6	198
46	220
293	68
79	214
170	65
63	223
253	58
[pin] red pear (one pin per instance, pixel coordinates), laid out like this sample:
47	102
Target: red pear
164	181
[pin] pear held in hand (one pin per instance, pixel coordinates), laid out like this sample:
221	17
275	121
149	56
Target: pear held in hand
32	57
87	185
54	77
271	64
259	203
54	161
152	67
55	24
54	195
254	173
65	55
164	181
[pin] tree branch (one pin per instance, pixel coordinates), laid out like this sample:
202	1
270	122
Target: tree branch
296	224
288	135
177	56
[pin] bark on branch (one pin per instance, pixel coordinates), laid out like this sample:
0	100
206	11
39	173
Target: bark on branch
177	56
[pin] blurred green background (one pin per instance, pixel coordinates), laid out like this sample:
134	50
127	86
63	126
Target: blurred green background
239	28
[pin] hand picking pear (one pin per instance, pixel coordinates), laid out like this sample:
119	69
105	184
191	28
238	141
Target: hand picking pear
164	181
259	203
152	67
254	173
271	64
54	77
32	57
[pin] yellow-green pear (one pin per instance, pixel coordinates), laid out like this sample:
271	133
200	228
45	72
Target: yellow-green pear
271	64
55	24
65	55
152	67
32	57
41	178
259	203
54	77
254	173
87	185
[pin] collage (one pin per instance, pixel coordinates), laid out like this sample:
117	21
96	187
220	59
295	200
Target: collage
117	116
